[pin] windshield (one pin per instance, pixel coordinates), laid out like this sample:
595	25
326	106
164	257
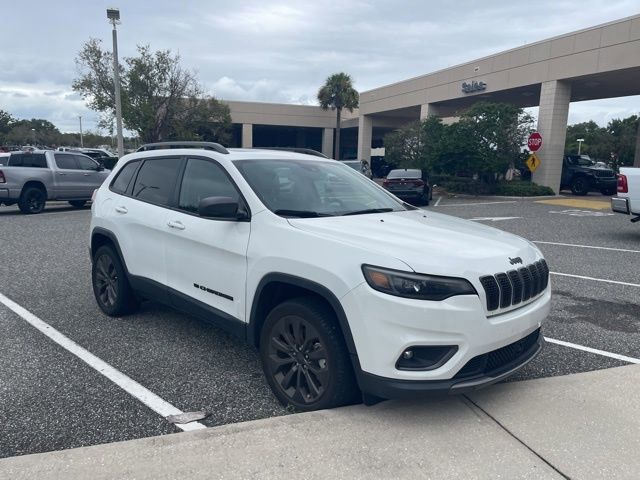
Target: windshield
307	188
582	161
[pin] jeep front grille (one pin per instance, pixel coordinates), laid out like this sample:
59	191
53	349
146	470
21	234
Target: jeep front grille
511	288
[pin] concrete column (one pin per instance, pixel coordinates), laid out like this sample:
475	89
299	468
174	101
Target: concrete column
555	97
247	135
327	142
636	161
365	132
429	109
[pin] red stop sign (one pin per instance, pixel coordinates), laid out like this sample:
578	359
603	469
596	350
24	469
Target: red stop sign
535	141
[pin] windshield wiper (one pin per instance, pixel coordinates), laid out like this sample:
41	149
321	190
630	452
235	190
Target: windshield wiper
300	213
369	210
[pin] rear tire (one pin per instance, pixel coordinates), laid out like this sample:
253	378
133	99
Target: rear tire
32	200
304	356
112	290
580	186
78	203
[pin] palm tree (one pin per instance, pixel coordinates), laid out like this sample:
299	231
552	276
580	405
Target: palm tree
338	93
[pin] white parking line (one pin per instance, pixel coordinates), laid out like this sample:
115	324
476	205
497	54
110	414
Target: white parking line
596	279
478	203
437	202
604	353
129	385
587	246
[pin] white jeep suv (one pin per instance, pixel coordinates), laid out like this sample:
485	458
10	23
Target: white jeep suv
341	286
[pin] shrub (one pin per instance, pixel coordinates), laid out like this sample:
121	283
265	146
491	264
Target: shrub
522	189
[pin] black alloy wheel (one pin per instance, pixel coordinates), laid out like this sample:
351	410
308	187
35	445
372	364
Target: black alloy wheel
580	186
304	357
114	295
32	200
106	280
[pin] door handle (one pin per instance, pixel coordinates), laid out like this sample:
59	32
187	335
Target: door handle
175	224
61	173
121	209
86	174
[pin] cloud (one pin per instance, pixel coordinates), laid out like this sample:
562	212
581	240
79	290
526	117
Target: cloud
282	51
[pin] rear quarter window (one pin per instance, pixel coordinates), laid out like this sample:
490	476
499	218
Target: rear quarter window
121	183
33	160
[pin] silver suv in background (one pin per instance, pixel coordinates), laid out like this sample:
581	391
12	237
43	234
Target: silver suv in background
31	178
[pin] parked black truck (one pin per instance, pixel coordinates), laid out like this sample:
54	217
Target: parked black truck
582	175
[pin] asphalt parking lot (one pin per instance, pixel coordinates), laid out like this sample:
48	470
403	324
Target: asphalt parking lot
51	400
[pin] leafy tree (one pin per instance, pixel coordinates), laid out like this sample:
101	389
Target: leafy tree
500	131
36	130
5	124
158	95
597	142
417	145
336	94
623	135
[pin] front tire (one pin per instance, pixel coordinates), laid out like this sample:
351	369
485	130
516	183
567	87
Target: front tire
304	356
114	295
32	200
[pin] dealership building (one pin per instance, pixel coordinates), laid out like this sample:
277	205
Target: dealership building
595	63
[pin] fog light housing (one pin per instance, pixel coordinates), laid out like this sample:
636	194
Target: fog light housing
425	358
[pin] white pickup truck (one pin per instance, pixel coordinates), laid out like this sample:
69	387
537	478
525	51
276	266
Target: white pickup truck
30	179
628	199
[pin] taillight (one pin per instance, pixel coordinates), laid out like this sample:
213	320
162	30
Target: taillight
385	182
2	179
418	183
623	187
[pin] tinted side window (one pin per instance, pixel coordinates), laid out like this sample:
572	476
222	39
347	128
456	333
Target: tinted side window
156	179
86	163
64	161
15	160
204	179
34	160
124	177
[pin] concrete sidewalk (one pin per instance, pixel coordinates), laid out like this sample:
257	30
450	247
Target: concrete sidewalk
583	426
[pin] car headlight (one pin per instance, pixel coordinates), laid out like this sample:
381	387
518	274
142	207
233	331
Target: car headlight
414	285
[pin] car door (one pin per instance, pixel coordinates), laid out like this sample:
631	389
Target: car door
69	177
92	178
206	258
140	219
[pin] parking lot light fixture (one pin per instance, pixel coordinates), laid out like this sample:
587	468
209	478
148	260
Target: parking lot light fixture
113	14
579	140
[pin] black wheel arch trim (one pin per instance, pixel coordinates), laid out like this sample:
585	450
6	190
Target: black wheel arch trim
253	336
107	233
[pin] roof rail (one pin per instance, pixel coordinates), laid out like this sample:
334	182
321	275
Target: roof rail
306	151
216	147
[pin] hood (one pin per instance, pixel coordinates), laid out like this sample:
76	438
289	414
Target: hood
428	242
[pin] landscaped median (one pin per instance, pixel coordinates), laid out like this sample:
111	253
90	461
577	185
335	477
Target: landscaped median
467	185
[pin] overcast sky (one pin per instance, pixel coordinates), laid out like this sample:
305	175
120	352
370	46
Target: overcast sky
280	51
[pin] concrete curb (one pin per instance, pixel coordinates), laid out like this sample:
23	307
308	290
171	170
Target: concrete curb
582	426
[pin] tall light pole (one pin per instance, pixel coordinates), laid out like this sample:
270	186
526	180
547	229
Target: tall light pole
81	140
113	14
579	140
33	131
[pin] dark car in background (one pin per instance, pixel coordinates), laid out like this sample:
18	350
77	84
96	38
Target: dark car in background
582	175
409	184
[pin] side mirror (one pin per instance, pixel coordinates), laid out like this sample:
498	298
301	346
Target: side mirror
99	168
222	208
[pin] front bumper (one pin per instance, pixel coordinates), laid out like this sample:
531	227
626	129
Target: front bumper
605	183
474	378
384	326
